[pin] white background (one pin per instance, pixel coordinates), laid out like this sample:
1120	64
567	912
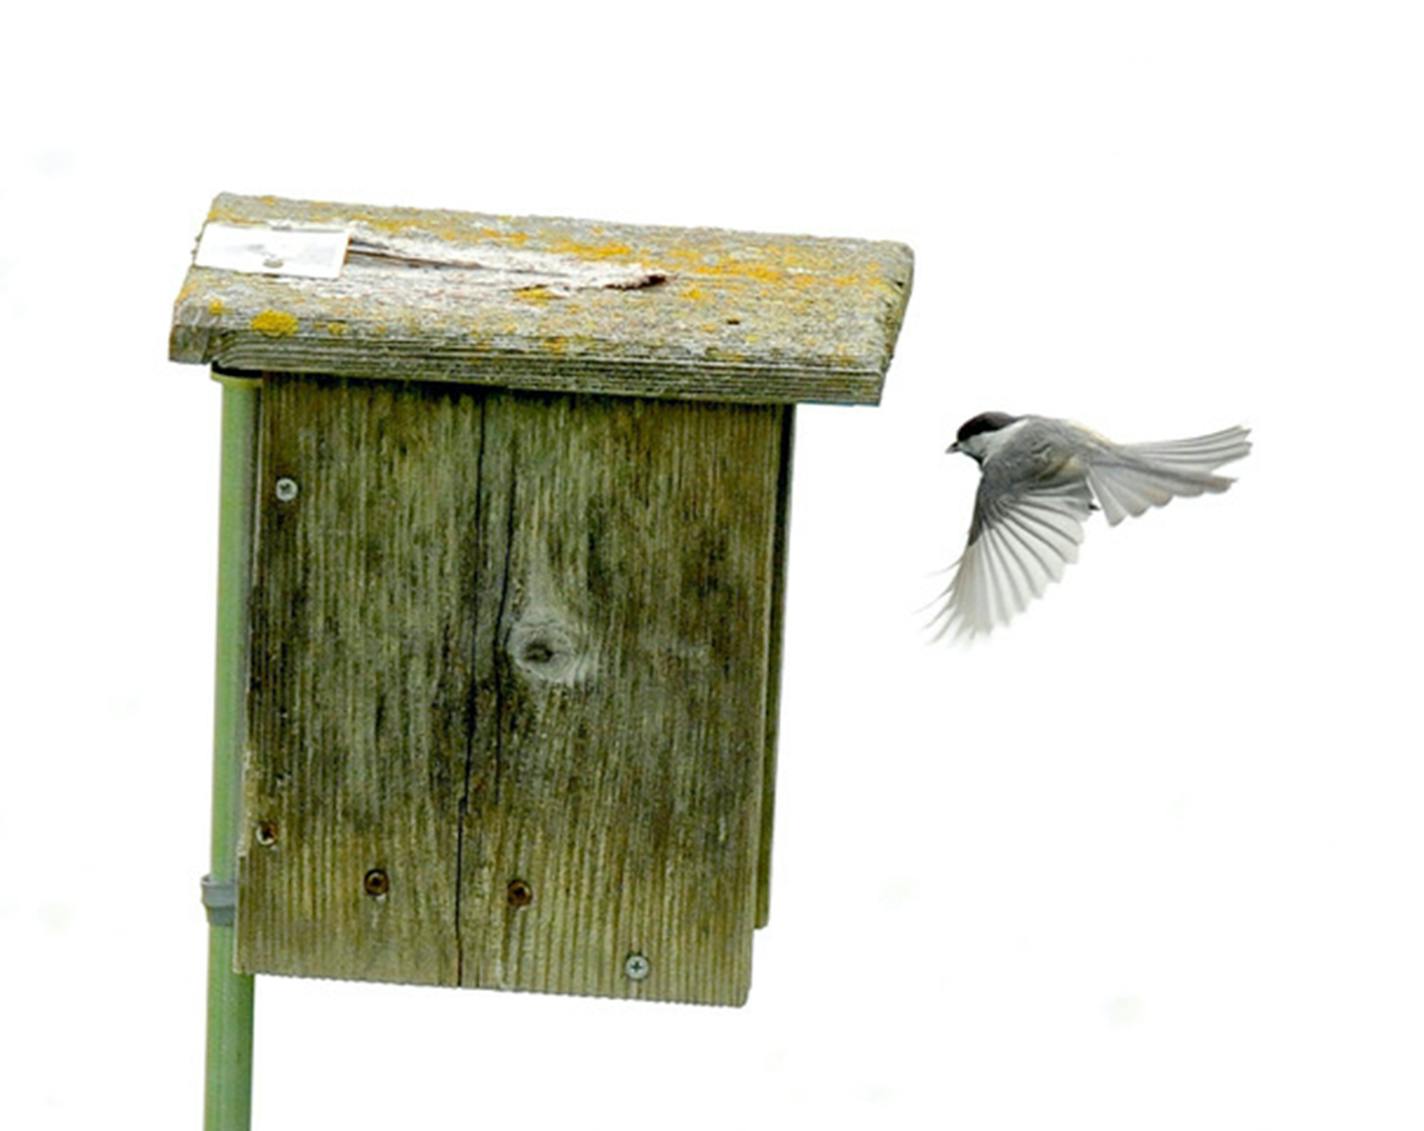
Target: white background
1150	859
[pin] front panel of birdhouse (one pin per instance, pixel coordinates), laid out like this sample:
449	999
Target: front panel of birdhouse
513	662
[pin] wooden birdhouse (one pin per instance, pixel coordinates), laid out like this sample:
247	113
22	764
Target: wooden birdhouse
509	527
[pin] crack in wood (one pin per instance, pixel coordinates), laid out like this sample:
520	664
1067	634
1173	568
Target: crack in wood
501	662
471	710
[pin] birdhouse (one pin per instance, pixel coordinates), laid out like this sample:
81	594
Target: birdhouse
508	510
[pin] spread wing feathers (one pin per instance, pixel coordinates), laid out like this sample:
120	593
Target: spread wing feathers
1129	478
1018	545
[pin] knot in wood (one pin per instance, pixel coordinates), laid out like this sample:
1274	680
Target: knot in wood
547	651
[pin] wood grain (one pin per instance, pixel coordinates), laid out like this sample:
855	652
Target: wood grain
621	725
555	304
513	652
362	672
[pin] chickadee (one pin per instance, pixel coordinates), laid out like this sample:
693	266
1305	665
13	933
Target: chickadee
1038	481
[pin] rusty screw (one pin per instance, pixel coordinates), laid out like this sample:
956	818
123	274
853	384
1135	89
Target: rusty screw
376	883
267	833
519	893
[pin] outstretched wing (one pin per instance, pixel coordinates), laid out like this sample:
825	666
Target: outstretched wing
1130	478
1019	542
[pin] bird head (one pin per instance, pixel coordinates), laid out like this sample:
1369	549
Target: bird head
972	438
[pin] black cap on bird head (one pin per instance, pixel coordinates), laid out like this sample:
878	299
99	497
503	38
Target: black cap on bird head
984	422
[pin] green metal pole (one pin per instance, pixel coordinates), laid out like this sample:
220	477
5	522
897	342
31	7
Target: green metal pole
228	1099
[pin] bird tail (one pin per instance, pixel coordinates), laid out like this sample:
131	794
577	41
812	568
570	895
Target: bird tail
1130	478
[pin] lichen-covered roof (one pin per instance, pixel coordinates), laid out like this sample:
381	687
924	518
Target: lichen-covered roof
573	305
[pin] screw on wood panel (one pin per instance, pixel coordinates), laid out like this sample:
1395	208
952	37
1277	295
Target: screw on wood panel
272	262
637	967
267	833
286	489
377	883
519	893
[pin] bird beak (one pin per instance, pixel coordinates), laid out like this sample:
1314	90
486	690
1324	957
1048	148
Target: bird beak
954	447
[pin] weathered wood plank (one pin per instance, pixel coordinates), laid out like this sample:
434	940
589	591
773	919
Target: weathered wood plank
509	694
773	665
557	304
361	682
624	714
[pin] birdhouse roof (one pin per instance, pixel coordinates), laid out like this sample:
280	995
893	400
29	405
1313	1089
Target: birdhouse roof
536	303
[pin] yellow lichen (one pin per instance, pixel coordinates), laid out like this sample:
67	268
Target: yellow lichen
499	235
336	329
215	306
275	323
537	294
844	279
579	249
393	225
694	294
741	269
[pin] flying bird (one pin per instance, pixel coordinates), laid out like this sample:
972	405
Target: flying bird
1039	480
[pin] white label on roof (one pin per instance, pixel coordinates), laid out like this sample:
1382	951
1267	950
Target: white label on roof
313	253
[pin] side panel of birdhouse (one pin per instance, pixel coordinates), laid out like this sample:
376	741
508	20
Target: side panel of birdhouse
773	667
613	828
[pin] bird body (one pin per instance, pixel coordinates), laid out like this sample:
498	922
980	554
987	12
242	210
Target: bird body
1040	480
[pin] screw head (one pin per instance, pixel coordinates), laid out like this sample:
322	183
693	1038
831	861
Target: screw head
266	833
637	967
286	489
376	883
519	893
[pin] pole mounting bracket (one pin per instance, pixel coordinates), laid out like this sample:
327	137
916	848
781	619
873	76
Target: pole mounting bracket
220	901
